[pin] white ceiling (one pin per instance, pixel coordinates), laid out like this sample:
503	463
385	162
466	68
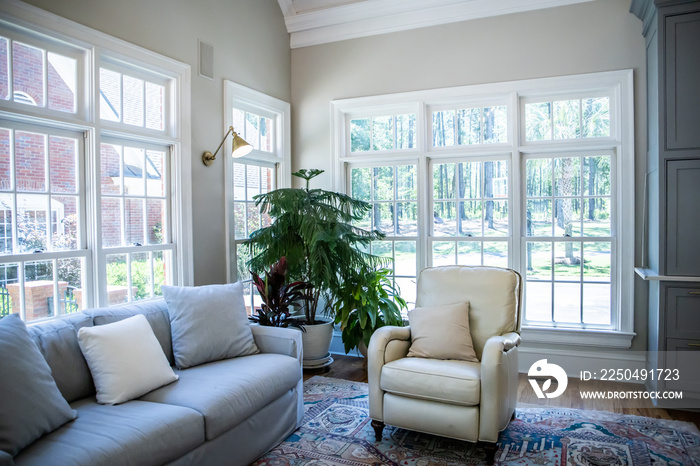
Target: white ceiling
312	22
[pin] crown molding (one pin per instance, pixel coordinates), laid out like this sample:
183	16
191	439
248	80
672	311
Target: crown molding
373	17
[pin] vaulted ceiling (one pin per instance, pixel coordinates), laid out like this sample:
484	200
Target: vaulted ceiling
312	22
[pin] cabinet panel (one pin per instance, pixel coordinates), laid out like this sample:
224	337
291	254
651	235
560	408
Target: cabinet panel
683	217
682	74
683	312
684	355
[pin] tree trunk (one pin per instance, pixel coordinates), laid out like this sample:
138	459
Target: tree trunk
488	193
592	172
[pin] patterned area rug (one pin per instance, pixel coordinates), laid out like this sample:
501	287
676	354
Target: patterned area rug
337	431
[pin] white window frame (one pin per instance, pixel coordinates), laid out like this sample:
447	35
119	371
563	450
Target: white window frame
618	85
245	98
97	48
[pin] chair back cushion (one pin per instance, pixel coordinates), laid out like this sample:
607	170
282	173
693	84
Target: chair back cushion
494	296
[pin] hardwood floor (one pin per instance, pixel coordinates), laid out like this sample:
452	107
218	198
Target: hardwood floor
355	369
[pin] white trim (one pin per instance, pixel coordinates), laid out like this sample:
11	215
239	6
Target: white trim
588	337
652	275
573	362
358	19
237	96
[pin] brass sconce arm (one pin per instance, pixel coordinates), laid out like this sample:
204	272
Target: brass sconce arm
207	156
239	147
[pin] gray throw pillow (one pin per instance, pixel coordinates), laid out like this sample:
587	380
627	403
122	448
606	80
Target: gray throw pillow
208	323
31	404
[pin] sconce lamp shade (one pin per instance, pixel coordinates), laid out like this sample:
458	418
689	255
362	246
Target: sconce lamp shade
240	148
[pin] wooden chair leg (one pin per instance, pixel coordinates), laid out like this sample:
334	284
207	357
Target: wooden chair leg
491	449
378	427
512	418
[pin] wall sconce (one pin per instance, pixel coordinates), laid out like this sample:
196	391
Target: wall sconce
240	148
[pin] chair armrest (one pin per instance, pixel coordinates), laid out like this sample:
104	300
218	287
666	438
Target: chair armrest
6	459
278	340
499	384
387	344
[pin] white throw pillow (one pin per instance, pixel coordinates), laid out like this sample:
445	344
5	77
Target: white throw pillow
441	332
125	359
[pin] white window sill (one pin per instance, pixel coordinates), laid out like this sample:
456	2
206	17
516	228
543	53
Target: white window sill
567	336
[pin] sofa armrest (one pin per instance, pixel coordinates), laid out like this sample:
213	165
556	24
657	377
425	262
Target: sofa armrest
499	384
387	344
6	459
278	340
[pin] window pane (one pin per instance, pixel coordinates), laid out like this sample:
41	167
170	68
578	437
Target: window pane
538	301
238	181
155	173
111	222
469	253
134	164
567	176
444	181
64	223
596	303
384	249
539	217
155	209
469	180
253	217
407	290
117	280
252	181
155	110
252	131
134	218
567	217
407	186
266	134
6	220
405	253
538	121
110	167
567	302
496	254
383	133
383	215
133	100
359	135
141	275
445	218
10	300
32	219
406	131
238	121
444	253
360	183
407	218
63	164
567	261
162	266
4	69
242	258
470	218
597	260
496	179
39	299
5	160
539	260
596	176
70	285
495	121
267	179
62	82
496	218
30	161
539	177
566	119
596	216
110	95
596	117
443	128
469	121
239	212
28	74
383	178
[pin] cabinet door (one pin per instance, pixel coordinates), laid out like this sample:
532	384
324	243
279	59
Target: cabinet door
682	75
683	312
683	217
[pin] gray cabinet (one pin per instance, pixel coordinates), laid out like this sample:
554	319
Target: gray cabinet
683	216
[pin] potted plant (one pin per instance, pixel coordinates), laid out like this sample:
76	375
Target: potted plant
366	302
313	229
277	296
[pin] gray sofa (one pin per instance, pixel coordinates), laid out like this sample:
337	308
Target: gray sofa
224	412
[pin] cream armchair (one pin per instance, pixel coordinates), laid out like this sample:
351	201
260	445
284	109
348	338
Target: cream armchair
470	401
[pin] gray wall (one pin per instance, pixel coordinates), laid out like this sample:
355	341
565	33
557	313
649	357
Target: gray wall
583	38
251	47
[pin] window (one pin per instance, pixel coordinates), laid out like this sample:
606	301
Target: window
90	214
382	133
263	122
533	175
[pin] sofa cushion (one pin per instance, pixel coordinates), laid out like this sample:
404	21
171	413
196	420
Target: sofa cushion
445	381
30	403
156	313
208	323
229	391
125	359
58	341
135	432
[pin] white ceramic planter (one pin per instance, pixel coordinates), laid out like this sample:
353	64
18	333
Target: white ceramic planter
317	340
